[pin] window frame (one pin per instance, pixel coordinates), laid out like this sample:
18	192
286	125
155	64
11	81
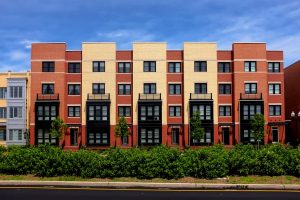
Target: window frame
73	110
272	68
223	88
222	66
99	89
272	88
15	112
174	90
74	67
174	110
273	109
198	67
172	67
3	112
42	115
249	67
74	86
123	111
48	89
151	86
124	68
150	113
201	88
250	88
97	114
207	116
124	90
3	92
48	66
149	66
100	66
225	111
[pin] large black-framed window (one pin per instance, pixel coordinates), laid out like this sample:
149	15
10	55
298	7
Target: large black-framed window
44	137
250	66
149	88
200	88
224	88
174	67
46	113
224	67
98	66
149	66
124	111
73	111
274	88
97	112
124	89
99	137
250	110
207	137
274	110
251	88
175	111
47	88
274	67
124	67
200	66
149	113
74	67
98	88
74	89
150	136
3	91
3	112
174	89
205	111
224	111
48	67
15	92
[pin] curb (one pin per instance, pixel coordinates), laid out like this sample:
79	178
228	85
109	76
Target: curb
141	185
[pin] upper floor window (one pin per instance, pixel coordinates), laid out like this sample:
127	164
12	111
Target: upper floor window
149	66
174	67
250	88
274	67
174	111
48	67
174	89
15	112
48	88
124	111
74	89
205	111
97	113
73	67
150	113
3	114
274	88
275	110
98	88
124	89
250	66
124	67
15	91
224	67
200	88
225	111
98	66
200	66
250	110
46	113
73	111
224	88
149	88
3	91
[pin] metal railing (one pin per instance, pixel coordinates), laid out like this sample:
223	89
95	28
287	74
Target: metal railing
143	96
207	96
105	96
249	96
47	97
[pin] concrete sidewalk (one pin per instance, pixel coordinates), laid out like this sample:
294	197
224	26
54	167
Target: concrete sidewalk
139	185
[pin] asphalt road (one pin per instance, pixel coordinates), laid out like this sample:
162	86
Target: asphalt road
139	194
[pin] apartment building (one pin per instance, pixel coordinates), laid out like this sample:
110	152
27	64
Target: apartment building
157	91
14	101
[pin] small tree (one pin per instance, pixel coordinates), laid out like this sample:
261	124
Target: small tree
58	128
258	127
121	129
197	132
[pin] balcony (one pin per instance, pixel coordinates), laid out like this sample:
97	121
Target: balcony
98	97
47	97
207	96
248	96
149	97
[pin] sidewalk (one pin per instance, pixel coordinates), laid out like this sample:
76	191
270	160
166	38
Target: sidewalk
141	185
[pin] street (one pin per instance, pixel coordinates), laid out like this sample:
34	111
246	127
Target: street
40	193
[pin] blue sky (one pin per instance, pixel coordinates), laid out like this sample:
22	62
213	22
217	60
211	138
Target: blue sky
276	22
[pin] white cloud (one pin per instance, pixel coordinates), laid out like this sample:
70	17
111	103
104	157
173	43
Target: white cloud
27	43
18	55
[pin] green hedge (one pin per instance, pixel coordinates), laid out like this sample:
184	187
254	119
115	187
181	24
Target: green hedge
155	162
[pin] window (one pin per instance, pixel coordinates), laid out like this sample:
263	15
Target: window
124	67
250	88
48	88
225	111
124	89
97	113
205	111
200	66
224	89
2	135
46	113
74	111
98	66
250	66
98	137
174	89
16	92
250	110
224	67
15	134
124	111
3	114
174	67
275	134
274	88
73	67
15	112
98	88
149	113
274	67
275	110
48	67
200	88
174	111
3	92
248	136
149	66
149	88
74	89
207	137
44	137
150	135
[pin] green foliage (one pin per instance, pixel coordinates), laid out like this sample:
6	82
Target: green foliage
197	132
58	128
257	127
121	129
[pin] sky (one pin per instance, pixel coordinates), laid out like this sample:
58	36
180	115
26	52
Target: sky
276	22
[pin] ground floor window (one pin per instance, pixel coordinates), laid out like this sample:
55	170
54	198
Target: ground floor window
98	137
2	135
15	134
247	136
150	135
44	137
207	137
275	134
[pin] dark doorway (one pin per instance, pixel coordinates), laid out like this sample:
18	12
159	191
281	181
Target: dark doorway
225	138
74	136
175	135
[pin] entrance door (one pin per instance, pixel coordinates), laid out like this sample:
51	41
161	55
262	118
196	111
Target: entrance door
225	138
275	134
175	135
74	136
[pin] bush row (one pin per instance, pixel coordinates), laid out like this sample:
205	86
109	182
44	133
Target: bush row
156	162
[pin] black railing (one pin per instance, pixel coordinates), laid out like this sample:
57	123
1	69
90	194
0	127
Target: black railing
249	96
194	96
47	97
105	96
143	96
